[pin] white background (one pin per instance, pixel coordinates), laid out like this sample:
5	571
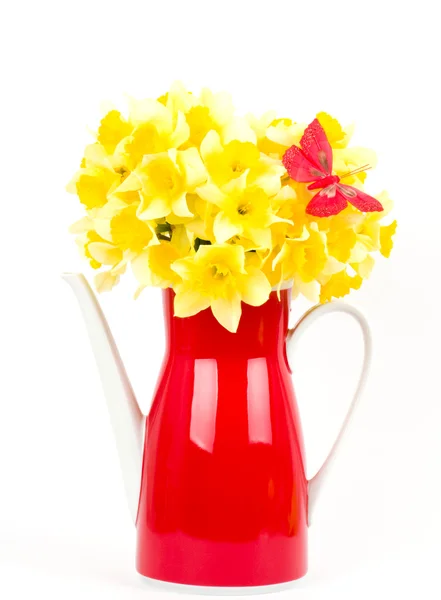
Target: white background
65	531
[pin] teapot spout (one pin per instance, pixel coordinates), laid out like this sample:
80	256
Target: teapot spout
127	420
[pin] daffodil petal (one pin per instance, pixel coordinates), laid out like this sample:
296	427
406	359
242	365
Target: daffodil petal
105	281
182	131
255	287
120	267
311	289
82	225
132	183
102	227
386	234
239	129
153	208
96	156
220	105
192	167
189	302
104	253
140	268
261	237
333	266
358	252
180	206
148	110
211	193
364	268
236	185
138	291
224	229
211	144
269	182
228	311
286	193
286	135
339	285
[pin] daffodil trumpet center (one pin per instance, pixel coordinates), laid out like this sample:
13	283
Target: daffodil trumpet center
220	271
243	209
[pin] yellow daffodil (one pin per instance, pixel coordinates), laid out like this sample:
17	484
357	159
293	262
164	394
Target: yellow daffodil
243	210
83	241
157	129
216	276
97	178
203	113
112	130
163	181
211	112
304	256
268	125
284	133
122	237
229	161
153	266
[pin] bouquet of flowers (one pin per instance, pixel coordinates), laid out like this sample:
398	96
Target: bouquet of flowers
224	208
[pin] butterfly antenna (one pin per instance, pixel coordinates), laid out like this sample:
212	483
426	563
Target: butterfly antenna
356	171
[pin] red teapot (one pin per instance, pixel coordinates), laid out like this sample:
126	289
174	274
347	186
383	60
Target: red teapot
215	474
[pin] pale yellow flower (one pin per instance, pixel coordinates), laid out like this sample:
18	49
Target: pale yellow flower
203	113
153	266
285	133
212	111
163	181
304	257
270	131
216	276
230	160
97	178
122	237
113	128
156	129
83	241
244	211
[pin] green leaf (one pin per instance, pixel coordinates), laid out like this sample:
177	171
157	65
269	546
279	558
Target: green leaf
199	242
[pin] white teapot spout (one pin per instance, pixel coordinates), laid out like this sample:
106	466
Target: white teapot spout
127	420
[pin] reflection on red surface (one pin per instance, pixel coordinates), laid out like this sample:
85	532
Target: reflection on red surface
258	402
224	495
204	404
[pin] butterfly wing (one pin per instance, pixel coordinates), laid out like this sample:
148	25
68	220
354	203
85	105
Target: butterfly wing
329	201
299	167
359	199
313	160
316	147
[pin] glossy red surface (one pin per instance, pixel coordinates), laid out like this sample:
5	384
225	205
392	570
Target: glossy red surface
224	493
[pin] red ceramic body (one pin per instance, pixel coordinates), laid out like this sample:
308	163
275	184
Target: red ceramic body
224	493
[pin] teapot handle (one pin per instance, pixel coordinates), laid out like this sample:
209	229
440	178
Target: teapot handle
316	483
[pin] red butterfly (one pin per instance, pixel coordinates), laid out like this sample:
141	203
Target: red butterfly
312	162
